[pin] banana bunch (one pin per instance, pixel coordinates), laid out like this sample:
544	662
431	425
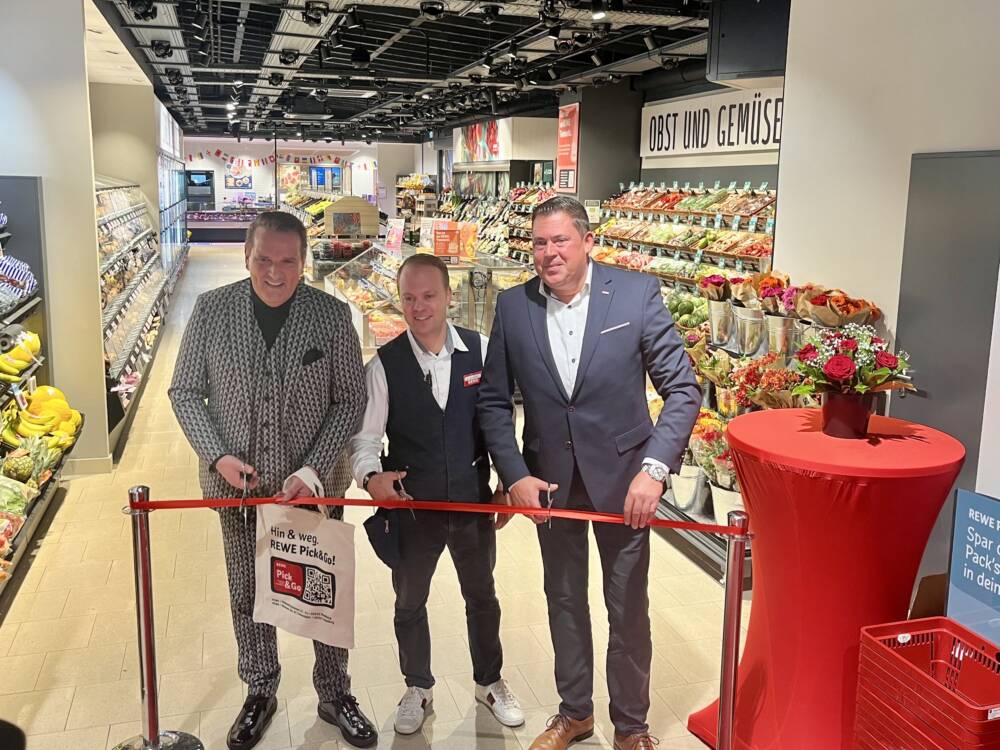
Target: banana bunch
14	361
48	416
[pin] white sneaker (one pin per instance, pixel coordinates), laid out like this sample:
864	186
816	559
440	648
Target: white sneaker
502	702
413	709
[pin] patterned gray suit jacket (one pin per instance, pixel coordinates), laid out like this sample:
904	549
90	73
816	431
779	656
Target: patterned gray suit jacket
279	410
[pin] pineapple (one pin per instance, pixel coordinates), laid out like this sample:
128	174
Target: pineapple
42	457
18	465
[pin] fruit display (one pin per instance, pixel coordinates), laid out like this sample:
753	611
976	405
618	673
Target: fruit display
690	238
327	249
416	182
688	310
47	416
20	356
727	201
531	195
385	325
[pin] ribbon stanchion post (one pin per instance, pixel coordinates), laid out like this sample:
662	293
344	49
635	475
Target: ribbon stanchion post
737	546
737	532
152	738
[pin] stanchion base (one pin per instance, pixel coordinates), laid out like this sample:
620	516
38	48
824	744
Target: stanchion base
168	741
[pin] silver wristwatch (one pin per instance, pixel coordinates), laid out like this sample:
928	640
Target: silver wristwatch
655	472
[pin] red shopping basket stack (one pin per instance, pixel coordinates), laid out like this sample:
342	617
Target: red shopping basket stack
927	685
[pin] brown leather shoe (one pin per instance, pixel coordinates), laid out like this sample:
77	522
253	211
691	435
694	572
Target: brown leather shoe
640	741
562	731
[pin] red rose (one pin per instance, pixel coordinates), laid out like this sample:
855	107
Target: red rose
820	300
876	341
886	359
807	353
849	345
839	367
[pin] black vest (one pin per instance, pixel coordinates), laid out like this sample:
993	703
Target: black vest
442	452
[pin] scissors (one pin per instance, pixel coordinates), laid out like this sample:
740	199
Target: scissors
404	495
243	499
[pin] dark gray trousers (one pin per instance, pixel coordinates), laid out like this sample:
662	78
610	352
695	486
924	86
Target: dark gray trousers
625	566
471	540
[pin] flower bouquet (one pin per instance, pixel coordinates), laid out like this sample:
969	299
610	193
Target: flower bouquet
770	288
775	389
849	365
715	288
711	452
743	290
833	309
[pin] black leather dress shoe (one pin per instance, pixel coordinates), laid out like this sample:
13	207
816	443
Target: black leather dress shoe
344	714
253	720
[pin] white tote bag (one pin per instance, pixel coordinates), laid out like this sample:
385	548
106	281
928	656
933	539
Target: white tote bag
305	574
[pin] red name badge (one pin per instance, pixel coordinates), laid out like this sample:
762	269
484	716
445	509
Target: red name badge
473	378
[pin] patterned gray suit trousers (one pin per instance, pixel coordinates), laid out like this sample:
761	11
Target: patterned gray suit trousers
278	410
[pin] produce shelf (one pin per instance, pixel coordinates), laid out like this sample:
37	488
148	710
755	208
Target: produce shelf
114	258
121	302
120	214
22	310
129	351
688	253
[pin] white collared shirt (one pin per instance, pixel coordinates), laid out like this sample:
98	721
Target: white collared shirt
366	446
566	322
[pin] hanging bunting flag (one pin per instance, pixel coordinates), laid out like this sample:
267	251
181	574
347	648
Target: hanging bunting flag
218	153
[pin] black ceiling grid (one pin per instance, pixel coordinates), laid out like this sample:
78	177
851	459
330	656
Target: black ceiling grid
391	69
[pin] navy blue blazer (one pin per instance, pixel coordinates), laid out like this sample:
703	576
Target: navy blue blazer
603	426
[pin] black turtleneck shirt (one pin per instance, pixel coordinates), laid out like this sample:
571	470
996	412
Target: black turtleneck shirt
270	319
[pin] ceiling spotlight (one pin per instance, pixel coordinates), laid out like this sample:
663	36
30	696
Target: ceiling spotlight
238	83
488	60
601	30
352	20
490	13
319	94
199	34
231	106
380	83
161	48
315	12
493	101
288	56
519	84
564	45
344	82
432	9
425	96
143	10
275	79
597	11
512	50
333	41
596	59
361	57
475	80
200	20
553	74
454	85
554	31
582	38
649	41
202	49
174	77
298	133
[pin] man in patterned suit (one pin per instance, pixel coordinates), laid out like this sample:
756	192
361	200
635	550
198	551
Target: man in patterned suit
269	387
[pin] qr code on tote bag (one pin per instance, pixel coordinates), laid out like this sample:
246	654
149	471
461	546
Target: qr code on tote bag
305	574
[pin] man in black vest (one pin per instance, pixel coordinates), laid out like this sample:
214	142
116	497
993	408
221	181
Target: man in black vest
422	391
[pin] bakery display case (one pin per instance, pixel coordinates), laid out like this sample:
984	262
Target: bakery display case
368	285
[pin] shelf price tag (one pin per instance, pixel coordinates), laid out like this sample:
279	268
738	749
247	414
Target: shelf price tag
675	184
718	221
735	224
769	227
732	185
18	395
717	183
677	254
701	185
677	285
663	218
621	187
739	265
677	219
687	185
753	224
697	257
746	185
721	263
631	185
642	185
763	186
663	186
704	221
690	218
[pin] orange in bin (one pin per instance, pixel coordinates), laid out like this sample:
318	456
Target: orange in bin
927	684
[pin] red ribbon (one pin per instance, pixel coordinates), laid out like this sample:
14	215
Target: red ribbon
543	513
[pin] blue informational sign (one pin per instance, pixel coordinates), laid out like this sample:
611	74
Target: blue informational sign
319	176
974	579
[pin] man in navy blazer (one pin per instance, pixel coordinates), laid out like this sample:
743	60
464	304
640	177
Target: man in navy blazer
579	342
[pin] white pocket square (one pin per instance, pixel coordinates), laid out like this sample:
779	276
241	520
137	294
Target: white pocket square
615	328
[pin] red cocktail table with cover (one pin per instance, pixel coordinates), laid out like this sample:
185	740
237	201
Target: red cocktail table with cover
839	529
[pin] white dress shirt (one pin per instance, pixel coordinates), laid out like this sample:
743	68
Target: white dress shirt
566	323
366	446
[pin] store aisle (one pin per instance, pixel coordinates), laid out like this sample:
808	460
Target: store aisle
68	657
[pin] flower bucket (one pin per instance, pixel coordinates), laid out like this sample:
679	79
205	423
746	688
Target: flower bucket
690	490
780	336
749	329
724	501
805	330
720	321
845	415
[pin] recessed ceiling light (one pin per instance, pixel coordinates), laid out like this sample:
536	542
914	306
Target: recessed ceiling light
597	11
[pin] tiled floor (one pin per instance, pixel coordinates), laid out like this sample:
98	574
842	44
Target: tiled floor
68	657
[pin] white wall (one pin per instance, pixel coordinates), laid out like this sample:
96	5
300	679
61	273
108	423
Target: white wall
125	124
45	132
393	159
263	175
866	86
534	138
